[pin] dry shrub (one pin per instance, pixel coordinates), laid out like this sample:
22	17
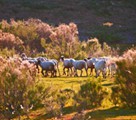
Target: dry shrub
64	40
55	100
95	49
55	40
9	41
90	95
6	52
125	80
17	83
23	29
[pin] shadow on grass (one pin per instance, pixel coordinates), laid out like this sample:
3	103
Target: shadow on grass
66	110
107	84
111	113
74	81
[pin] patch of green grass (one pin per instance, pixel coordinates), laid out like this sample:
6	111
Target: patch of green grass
64	82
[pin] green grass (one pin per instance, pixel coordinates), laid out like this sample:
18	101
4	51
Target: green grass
64	82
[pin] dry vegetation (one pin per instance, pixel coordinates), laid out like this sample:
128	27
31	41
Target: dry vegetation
33	35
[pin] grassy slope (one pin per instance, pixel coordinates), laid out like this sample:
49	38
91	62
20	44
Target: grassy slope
107	111
89	15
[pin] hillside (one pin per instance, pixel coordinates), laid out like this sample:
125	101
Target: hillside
89	15
67	59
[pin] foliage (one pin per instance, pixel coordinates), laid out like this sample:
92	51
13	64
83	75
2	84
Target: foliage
9	41
50	102
115	95
56	100
90	95
54	41
6	52
18	90
93	48
30	31
65	39
125	79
